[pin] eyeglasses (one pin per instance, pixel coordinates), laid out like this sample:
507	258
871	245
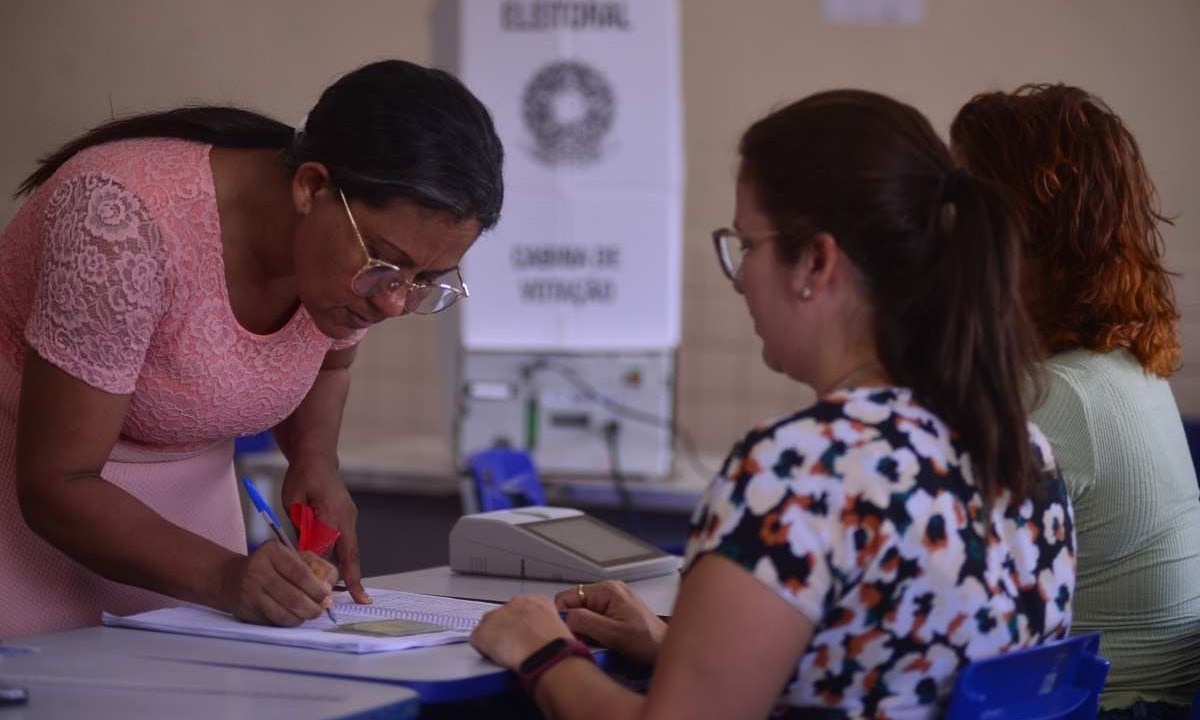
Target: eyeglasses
732	246
378	277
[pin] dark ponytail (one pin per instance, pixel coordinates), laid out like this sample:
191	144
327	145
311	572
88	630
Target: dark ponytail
390	129
220	126
964	342
936	254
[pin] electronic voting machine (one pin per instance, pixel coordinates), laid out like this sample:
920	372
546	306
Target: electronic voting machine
552	543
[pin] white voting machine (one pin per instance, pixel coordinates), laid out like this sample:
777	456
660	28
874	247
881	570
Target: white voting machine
552	543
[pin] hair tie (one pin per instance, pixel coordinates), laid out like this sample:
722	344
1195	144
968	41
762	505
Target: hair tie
298	139
295	153
951	185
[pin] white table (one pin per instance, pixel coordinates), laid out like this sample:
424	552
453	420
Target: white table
76	678
446	673
449	673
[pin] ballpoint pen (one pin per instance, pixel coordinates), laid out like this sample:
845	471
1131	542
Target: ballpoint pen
268	515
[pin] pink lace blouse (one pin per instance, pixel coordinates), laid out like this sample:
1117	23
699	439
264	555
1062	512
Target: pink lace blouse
113	272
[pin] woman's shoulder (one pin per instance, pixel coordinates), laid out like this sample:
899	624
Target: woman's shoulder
164	181
887	419
1087	387
857	414
1081	366
141	165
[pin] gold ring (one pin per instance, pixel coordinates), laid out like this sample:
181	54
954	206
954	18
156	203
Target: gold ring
580	593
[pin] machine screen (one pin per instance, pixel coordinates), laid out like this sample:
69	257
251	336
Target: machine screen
594	540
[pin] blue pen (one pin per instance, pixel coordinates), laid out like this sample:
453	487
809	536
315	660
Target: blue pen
268	515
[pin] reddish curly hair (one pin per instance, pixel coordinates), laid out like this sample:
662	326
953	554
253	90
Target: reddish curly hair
1074	178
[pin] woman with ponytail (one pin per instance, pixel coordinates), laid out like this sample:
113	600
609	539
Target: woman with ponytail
178	279
851	558
1095	284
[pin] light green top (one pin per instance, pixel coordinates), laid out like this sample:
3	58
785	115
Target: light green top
1118	438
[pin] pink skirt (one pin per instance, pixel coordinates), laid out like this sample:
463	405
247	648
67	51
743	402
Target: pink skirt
43	590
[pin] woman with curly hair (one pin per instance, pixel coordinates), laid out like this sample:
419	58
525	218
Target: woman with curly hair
1094	282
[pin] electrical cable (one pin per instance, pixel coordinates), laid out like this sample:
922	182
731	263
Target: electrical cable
679	435
612	431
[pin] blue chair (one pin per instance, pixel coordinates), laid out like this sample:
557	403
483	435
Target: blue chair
505	478
260	442
1059	680
245	448
1191	429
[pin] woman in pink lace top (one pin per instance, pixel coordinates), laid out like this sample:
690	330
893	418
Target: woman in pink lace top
179	279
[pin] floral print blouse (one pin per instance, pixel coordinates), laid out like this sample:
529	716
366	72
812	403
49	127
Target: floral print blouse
861	513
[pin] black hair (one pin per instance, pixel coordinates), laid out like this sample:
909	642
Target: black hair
936	252
390	129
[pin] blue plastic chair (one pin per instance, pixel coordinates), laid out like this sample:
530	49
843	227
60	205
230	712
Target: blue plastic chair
505	478
1191	429
260	442
1048	682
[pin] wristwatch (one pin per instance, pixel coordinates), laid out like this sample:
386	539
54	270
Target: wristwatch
546	657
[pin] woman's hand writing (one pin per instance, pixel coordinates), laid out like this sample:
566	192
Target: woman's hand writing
277	586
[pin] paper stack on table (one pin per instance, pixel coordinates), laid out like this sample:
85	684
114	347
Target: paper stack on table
396	621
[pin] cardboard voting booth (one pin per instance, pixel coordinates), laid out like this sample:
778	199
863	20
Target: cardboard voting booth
569	340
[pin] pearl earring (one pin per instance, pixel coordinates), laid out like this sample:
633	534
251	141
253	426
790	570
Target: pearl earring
806	292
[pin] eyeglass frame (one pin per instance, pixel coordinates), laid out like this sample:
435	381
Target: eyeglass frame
725	262
458	293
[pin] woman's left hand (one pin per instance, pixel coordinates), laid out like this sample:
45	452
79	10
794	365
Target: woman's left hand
514	631
323	489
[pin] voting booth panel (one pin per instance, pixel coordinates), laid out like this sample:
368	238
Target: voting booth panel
585	262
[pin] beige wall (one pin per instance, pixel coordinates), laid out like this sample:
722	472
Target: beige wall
68	64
